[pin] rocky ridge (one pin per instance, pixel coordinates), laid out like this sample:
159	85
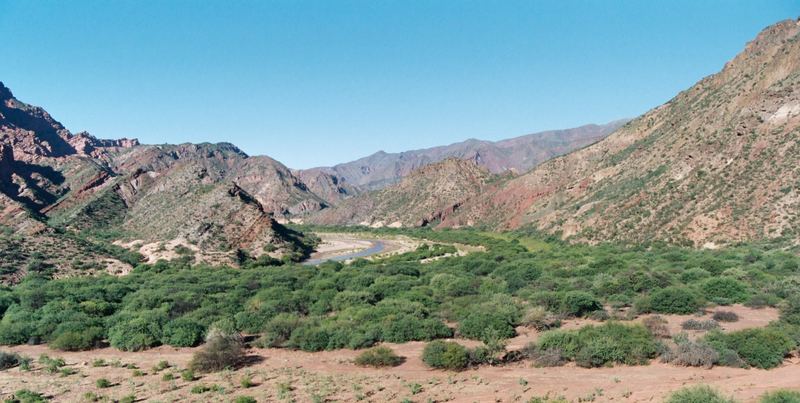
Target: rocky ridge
719	163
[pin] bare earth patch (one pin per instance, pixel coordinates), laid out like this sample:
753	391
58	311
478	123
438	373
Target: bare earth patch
281	375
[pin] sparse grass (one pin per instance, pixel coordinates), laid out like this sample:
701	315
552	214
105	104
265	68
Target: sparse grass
188	375
51	365
162	365
247	381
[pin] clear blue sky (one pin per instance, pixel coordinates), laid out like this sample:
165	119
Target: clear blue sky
319	82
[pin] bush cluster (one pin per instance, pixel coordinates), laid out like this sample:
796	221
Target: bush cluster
379	357
609	343
760	347
521	278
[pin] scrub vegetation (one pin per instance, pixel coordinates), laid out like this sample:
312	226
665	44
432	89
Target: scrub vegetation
520	278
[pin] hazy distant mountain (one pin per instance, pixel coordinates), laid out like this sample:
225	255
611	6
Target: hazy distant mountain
518	154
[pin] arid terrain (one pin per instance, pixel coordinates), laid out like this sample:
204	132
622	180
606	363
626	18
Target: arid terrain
643	260
282	375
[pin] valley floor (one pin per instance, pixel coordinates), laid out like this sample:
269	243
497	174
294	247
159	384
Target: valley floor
286	375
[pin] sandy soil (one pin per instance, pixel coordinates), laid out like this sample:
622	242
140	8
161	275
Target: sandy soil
337	244
155	251
283	375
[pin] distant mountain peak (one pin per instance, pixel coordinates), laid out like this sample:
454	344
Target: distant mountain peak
518	154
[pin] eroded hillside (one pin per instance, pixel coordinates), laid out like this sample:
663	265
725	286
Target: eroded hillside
718	163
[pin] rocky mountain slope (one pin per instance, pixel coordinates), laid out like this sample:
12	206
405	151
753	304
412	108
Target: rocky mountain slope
718	163
425	197
518	154
61	192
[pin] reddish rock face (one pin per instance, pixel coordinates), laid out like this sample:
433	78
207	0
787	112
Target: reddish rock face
212	195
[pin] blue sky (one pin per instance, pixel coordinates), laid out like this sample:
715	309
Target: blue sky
319	82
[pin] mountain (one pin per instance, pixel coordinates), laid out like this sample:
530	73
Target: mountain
718	163
63	194
425	197
518	154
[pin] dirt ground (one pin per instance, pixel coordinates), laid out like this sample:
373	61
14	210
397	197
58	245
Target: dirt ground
284	375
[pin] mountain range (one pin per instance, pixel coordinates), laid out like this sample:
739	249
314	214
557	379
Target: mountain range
63	196
518	155
719	163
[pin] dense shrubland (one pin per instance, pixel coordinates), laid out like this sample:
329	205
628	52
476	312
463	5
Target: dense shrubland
520	279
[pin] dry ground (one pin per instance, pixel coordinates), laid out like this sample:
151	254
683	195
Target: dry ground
284	375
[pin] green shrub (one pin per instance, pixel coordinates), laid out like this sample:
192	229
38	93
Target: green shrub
579	303
790	309
694	274
698	394
103	383
445	355
677	300
78	340
724	290
594	346
245	399
759	301
781	396
221	351
478	323
761	348
182	333
136	334
279	329
379	357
